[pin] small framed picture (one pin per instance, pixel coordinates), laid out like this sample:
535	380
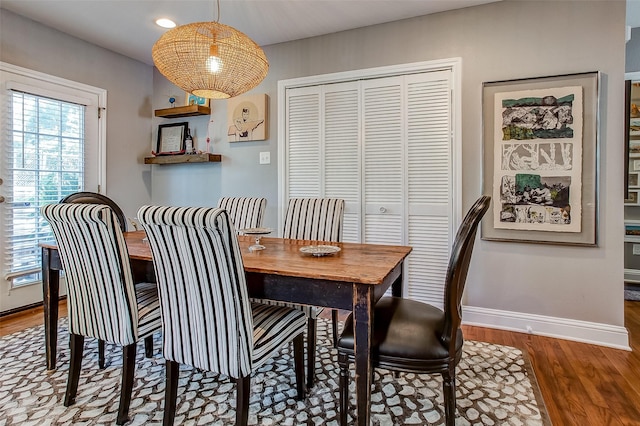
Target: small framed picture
171	138
191	99
633	180
633	198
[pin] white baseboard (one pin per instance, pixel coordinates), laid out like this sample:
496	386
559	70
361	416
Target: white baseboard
561	328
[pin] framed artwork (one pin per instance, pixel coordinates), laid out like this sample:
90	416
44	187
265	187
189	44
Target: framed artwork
633	180
632	197
540	159
191	99
171	138
247	118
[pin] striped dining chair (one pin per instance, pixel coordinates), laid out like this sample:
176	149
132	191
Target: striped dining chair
313	219
244	212
208	320
102	300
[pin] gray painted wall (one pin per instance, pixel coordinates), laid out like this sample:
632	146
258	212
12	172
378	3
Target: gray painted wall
504	40
129	86
633	51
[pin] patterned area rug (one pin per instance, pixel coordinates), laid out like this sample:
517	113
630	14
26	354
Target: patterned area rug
496	386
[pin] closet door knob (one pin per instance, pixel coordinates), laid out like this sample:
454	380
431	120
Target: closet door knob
1	199
382	210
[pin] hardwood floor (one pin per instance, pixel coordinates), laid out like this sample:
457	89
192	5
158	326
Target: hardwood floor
581	384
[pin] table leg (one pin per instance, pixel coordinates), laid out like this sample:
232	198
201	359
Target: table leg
396	287
363	324
51	293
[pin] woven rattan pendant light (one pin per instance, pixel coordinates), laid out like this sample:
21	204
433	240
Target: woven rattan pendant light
210	60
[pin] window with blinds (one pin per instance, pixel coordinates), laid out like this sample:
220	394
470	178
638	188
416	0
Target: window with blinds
43	161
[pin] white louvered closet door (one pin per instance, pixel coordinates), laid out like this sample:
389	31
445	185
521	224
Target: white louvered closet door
383	160
303	161
342	152
384	145
429	183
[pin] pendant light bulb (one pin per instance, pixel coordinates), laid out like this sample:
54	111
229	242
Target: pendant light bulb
214	64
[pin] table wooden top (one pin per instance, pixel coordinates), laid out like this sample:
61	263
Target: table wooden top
355	263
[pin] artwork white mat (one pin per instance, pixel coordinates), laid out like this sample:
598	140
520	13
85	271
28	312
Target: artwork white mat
538	159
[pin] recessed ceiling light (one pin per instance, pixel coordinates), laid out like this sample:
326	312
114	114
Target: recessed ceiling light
166	23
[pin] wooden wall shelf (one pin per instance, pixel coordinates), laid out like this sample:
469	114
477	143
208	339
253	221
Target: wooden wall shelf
183	111
185	158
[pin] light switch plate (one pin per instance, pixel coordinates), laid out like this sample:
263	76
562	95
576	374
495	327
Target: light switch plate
265	157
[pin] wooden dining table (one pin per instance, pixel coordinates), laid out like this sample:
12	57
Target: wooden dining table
352	279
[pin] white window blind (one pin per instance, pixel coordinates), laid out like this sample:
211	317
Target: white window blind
43	161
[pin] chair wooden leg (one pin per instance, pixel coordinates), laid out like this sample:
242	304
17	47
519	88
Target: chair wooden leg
101	344
76	345
243	388
170	392
449	391
334	326
128	371
344	388
148	346
298	358
311	351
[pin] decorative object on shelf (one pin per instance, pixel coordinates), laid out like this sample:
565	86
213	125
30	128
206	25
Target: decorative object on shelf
191	99
189	148
171	138
540	159
210	59
247	118
172	101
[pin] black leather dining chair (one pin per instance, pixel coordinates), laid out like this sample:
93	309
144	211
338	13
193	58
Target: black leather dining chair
411	336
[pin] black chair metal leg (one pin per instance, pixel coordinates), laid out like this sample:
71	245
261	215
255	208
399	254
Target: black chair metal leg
449	391
128	371
148	346
298	358
243	388
311	351
76	345
101	345
170	392
344	388
334	326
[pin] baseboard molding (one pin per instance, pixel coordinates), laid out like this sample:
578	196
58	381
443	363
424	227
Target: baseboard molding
561	328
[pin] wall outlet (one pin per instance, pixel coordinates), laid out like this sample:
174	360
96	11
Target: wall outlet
265	157
636	249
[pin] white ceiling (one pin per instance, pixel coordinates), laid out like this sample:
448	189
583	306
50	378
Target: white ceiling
128	27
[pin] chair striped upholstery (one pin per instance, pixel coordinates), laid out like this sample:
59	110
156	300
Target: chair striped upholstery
208	320
244	212
317	219
102	299
314	219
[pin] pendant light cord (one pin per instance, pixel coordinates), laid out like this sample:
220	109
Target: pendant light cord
218	15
